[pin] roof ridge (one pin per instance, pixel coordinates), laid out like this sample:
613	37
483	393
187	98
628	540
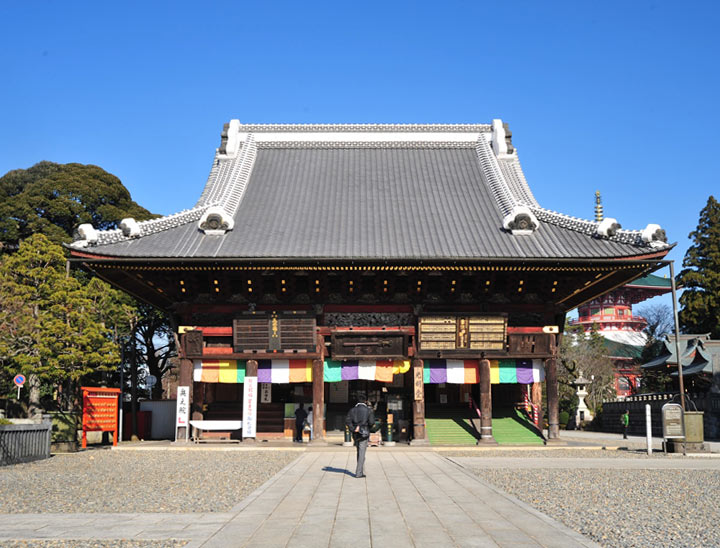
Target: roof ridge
370	128
507	200
151	226
365	144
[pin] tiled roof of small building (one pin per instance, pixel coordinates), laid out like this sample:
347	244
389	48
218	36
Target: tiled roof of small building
368	192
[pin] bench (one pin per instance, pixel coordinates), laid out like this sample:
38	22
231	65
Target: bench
215	426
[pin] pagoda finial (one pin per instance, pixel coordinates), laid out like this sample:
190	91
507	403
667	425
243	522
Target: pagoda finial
598	207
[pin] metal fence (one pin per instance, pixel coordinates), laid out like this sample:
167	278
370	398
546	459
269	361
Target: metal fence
24	442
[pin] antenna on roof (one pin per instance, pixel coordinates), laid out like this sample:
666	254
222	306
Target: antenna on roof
598	207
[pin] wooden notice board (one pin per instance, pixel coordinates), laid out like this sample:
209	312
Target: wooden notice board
100	411
459	334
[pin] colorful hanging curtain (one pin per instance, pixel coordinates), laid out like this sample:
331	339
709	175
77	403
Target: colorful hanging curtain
226	371
378	370
233	371
451	371
284	371
467	371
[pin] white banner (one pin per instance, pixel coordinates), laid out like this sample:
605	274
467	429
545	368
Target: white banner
182	410
250	388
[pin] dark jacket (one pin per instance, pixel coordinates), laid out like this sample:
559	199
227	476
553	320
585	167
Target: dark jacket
363	416
300	415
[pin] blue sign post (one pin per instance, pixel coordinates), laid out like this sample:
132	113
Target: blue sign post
19	380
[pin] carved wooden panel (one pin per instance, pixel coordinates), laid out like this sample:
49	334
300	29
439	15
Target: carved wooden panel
193	344
274	332
368	345
524	344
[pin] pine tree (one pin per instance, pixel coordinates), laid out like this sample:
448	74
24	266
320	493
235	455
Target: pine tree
50	329
700	277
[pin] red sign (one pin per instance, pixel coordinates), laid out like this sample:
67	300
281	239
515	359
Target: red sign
19	380
100	411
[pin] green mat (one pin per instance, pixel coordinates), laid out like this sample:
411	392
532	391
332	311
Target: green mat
510	427
449	431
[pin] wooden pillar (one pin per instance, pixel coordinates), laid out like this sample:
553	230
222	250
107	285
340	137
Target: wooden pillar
185	379
419	432
251	368
551	385
318	383
486	435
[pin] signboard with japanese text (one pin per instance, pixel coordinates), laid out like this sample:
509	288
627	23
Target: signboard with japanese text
672	421
418	383
182	410
265	392
458	334
250	398
100	411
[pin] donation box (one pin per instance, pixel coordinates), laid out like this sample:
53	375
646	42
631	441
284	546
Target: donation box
100	411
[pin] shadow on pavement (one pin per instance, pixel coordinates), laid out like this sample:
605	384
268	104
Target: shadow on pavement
337	470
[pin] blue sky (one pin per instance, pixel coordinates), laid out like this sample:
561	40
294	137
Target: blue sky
619	97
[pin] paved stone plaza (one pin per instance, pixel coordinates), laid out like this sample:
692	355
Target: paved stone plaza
410	498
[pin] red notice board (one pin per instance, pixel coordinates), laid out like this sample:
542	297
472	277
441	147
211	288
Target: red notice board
100	411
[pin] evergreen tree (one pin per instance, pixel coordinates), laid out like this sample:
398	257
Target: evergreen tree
48	330
700	278
53	199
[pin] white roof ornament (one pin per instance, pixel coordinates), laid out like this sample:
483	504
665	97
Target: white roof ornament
130	228
230	139
88	233
654	235
216	221
498	143
608	227
521	221
501	140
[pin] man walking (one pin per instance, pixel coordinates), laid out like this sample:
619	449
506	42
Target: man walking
359	420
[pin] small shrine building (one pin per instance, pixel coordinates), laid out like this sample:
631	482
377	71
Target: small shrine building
408	264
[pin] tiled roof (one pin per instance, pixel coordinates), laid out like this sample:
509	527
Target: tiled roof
371	192
651	281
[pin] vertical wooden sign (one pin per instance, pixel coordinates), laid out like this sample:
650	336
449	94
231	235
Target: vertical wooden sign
419	386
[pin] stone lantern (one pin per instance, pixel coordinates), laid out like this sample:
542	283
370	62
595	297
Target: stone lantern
583	413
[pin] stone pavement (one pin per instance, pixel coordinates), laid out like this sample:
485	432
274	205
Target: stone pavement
409	498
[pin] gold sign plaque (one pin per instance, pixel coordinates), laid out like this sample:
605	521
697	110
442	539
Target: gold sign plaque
452	333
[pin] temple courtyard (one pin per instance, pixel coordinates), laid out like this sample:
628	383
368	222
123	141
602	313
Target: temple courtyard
279	495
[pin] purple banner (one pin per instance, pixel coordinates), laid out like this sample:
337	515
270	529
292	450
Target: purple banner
264	370
524	371
350	370
438	371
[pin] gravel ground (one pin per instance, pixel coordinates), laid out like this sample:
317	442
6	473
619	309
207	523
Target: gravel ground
138	481
92	543
556	454
616	507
